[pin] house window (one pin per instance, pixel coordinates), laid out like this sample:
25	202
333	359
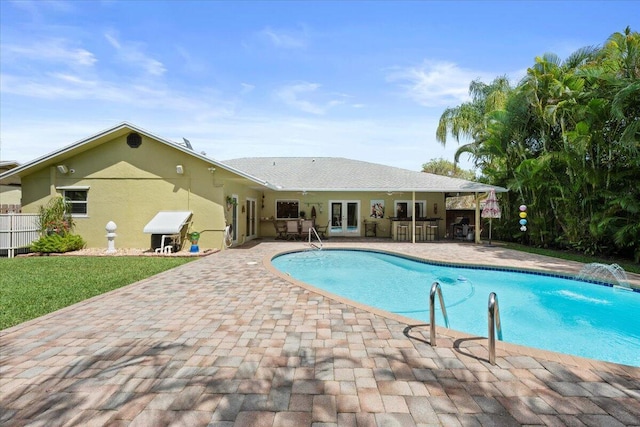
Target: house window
77	198
403	208
420	209
287	209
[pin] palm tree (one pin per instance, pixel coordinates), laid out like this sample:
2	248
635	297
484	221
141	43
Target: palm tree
469	120
566	140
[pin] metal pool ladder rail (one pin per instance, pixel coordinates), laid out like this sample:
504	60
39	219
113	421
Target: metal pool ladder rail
435	287
313	232
494	323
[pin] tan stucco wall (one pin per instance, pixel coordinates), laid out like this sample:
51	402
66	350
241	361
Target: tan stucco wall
10	195
129	186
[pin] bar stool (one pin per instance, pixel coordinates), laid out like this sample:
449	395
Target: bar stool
433	231
402	232
420	232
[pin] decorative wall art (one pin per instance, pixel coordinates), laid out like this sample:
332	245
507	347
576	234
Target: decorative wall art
377	209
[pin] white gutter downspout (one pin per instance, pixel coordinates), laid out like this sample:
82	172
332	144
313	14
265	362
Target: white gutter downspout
52	181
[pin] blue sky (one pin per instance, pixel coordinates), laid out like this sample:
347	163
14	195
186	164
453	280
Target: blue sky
362	80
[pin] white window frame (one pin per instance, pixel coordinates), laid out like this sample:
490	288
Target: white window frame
86	202
287	201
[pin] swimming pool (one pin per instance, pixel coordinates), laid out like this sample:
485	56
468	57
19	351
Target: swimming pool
546	312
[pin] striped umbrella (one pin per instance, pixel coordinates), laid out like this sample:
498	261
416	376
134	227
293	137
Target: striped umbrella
491	210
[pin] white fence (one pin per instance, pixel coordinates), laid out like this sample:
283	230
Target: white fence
17	231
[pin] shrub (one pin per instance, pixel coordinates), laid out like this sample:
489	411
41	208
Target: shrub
56	224
56	243
54	217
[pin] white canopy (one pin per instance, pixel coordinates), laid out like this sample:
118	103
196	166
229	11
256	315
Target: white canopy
167	222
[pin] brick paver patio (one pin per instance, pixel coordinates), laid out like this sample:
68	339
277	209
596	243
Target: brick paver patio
223	341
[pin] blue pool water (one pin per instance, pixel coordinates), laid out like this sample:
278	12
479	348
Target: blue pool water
552	313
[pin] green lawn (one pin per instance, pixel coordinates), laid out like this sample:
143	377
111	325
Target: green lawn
34	286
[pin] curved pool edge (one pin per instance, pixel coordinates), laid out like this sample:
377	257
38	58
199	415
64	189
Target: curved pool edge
453	334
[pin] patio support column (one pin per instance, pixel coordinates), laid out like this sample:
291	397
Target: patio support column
478	226
413	217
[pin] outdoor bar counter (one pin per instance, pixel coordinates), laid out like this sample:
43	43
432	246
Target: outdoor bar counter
427	229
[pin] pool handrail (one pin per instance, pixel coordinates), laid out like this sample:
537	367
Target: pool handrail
494	323
312	231
435	288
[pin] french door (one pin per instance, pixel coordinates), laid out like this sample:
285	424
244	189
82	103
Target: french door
251	224
234	218
345	217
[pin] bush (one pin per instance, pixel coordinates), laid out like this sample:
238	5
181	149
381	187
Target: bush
54	217
56	224
56	243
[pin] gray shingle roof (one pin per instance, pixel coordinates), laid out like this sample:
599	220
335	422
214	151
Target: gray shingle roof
340	174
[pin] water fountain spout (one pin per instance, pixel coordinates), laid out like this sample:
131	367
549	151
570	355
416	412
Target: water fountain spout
608	273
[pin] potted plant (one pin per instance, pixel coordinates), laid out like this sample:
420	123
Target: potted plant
231	202
193	238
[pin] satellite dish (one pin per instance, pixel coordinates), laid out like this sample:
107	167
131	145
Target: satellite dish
187	143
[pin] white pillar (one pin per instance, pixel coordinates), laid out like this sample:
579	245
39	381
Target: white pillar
478	219
111	235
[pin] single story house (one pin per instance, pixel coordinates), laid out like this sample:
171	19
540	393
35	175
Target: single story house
128	175
10	191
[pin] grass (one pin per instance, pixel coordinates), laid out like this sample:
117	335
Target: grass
34	286
628	265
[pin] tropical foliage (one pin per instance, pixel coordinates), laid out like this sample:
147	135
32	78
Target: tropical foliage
446	168
566	142
56	225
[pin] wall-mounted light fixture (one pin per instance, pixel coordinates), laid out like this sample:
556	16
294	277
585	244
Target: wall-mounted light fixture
63	169
179	169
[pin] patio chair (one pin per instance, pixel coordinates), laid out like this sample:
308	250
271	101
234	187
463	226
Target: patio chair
323	230
281	229
307	225
293	231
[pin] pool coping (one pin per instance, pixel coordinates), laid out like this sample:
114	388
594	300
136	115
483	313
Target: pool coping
456	335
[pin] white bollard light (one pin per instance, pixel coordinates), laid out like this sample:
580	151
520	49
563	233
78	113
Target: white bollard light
111	235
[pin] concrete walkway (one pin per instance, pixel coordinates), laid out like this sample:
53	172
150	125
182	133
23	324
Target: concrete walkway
224	341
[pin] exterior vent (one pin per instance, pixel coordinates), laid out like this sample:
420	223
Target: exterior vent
134	140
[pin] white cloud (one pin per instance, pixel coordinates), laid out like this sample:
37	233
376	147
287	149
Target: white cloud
53	50
38	9
131	53
297	95
246	88
286	39
63	87
193	65
112	41
436	84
